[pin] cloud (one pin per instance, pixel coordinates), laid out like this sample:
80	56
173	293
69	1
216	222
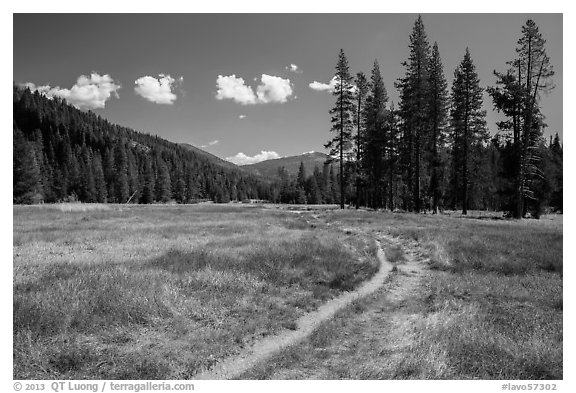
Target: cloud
242	116
271	89
330	86
89	92
319	86
230	87
294	68
211	143
243	159
157	90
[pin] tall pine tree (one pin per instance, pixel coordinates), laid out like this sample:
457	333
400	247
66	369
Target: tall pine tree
437	110
517	95
360	93
413	109
342	116
467	121
375	140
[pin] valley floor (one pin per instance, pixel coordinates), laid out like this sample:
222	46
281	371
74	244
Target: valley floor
174	292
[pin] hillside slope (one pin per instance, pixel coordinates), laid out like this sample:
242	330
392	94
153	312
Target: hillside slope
269	168
211	157
62	153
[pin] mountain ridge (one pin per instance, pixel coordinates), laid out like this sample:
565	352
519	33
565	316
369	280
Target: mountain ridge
213	157
269	168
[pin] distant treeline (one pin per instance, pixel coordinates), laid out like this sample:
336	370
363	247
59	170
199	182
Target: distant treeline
434	150
64	154
493	182
320	187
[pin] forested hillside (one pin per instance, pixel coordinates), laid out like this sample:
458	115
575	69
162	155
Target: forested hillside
64	154
291	164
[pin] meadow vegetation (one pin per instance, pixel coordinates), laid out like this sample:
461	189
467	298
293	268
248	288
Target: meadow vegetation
163	292
489	306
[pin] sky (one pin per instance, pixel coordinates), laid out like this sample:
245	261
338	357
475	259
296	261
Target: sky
248	87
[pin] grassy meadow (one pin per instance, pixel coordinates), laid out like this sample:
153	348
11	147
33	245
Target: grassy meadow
164	292
489	306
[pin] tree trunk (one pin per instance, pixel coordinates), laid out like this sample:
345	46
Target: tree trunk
465	163
391	186
341	147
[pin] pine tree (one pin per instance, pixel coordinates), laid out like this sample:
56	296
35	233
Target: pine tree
556	156
301	196
342	116
437	108
517	94
99	180
27	181
374	146
316	190
109	174
73	173
301	177
286	194
148	183
413	108
314	193
334	193
179	190
392	152
121	172
163	183
467	121
132	174
192	187
88	184
360	93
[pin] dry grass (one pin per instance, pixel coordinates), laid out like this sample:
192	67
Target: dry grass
162	292
489	306
78	207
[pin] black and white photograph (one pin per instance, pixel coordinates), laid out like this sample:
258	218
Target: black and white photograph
286	196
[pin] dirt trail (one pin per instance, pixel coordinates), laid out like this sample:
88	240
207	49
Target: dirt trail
370	342
235	366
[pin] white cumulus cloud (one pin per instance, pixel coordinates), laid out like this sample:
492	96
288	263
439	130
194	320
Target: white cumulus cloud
243	159
89	92
330	86
319	86
271	89
242	116
232	88
158	90
294	68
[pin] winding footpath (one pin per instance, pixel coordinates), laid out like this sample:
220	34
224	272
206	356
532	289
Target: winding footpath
233	367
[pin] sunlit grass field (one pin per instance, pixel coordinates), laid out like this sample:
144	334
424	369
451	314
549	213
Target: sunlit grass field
490	306
163	292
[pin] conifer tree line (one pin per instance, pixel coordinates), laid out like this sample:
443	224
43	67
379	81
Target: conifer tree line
322	186
434	150
64	154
